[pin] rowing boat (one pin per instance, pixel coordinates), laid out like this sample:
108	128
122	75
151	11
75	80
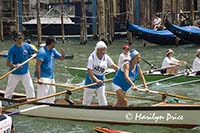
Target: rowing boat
172	115
80	72
108	130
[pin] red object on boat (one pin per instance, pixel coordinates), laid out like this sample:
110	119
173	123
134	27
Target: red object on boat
107	130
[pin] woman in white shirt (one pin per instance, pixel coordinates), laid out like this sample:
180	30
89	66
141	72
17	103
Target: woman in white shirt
170	64
196	63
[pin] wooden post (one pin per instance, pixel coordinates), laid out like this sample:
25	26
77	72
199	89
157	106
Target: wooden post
16	16
101	20
177	11
192	11
83	39
1	21
108	21
62	24
20	16
39	30
94	20
128	16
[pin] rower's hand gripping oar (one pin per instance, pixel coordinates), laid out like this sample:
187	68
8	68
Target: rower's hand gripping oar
15	68
169	94
52	95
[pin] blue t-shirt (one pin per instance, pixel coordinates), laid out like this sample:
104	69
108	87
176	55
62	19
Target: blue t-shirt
18	55
47	58
120	80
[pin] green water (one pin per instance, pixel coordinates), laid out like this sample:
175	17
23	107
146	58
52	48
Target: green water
152	53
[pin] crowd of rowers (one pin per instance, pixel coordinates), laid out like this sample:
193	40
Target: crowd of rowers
127	70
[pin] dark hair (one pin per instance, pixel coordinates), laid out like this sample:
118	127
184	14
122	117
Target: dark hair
50	40
28	41
17	34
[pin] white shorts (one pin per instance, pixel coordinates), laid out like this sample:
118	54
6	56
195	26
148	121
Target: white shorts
115	87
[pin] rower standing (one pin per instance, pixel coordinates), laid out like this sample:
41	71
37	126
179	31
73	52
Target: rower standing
6	124
124	56
170	64
17	54
126	76
196	63
98	62
45	69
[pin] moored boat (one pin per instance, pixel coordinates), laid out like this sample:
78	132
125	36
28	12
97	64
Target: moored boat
188	33
161	37
107	130
172	115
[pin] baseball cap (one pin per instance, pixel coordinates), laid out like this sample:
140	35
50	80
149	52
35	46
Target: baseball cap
125	46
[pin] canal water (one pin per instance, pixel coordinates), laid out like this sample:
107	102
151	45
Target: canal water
152	53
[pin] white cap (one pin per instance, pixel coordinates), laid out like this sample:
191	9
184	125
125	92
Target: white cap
100	44
133	53
0	104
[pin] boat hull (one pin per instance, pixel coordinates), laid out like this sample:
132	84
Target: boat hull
173	116
188	33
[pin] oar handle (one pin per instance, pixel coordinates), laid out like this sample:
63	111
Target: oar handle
56	84
5	75
90	85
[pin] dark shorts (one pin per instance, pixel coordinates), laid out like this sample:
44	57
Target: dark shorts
198	73
163	71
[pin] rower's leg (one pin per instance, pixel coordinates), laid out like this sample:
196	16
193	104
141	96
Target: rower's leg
121	99
101	95
87	96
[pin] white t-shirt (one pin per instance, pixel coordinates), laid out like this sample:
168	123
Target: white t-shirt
157	21
6	124
99	66
167	61
122	58
196	64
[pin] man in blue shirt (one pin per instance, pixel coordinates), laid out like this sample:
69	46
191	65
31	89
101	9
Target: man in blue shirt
45	69
18	53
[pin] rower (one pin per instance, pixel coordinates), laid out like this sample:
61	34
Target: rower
170	64
196	63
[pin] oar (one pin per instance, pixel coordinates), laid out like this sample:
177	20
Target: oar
163	79
169	94
159	69
183	83
151	65
15	68
52	95
135	97
27	109
58	85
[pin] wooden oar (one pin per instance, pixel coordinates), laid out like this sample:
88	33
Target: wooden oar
151	65
5	75
58	85
27	109
164	79
135	97
183	83
169	94
52	95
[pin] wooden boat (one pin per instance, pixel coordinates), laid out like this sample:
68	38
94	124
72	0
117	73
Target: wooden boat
161	37
188	33
172	115
80	72
107	130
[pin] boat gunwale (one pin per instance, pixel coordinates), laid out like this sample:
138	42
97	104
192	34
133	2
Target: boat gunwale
139	108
